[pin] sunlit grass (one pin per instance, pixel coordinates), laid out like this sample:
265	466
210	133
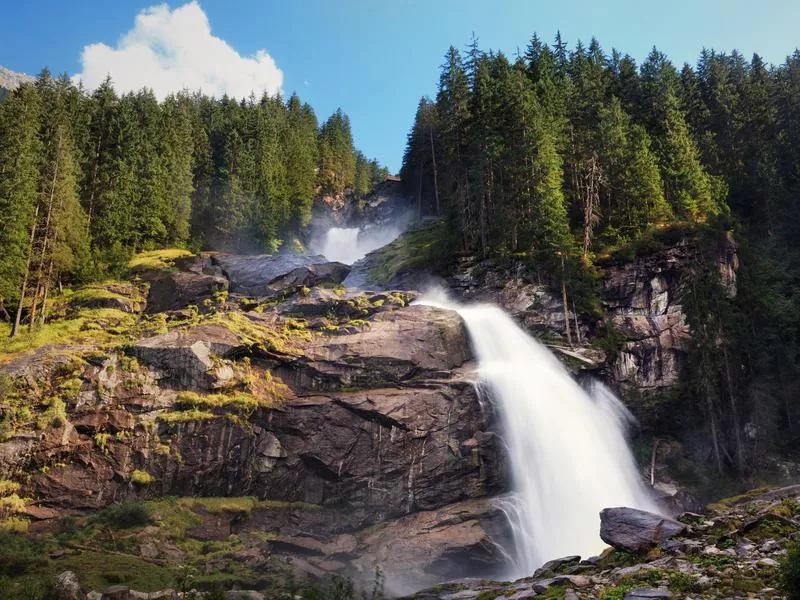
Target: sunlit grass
156	259
97	326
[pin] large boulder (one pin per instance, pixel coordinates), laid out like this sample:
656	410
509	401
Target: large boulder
195	279
310	275
249	275
416	342
188	356
633	530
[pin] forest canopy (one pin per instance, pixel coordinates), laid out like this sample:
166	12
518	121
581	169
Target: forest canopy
86	179
569	155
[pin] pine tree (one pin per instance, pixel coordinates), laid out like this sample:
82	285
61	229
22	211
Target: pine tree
633	191
690	190
19	173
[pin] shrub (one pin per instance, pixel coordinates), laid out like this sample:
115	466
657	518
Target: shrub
124	515
141	477
790	572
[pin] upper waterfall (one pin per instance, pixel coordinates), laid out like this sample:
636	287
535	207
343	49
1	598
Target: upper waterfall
568	453
349	244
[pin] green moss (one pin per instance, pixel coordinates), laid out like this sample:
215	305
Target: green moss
185	416
141	478
359	323
241	504
101	441
8	487
54	416
98	326
425	246
14	524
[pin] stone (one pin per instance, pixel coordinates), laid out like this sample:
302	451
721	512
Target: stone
173	290
67	587
188	356
578	581
570	594
250	275
553	566
462	595
523	595
243	595
767	562
646	593
118	592
633	530
331	273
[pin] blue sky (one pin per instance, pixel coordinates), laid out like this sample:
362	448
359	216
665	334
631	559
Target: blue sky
376	58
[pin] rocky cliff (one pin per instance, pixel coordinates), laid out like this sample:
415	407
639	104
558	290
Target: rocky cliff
349	418
298	424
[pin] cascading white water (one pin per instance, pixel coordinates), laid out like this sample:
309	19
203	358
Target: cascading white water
349	244
567	448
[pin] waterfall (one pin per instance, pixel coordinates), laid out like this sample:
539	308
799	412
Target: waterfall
349	244
568	453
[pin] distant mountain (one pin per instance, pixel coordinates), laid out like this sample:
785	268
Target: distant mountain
11	80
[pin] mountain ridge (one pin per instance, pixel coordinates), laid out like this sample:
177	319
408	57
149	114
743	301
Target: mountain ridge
11	80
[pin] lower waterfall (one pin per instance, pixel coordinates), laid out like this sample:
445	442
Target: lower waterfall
568	454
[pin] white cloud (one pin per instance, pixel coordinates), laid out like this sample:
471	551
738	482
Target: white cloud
169	50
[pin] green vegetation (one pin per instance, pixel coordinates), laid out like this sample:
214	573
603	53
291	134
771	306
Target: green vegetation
189	171
790	572
185	416
123	515
156	259
141	478
105	549
240	504
426	246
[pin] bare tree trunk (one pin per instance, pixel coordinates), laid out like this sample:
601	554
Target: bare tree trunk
34	306
653	462
90	208
435	174
589	189
46	237
24	290
564	301
419	194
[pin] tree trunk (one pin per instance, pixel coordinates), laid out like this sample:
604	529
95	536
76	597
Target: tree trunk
564	300
24	290
435	174
419	194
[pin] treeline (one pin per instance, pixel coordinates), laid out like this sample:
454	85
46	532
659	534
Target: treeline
88	179
567	153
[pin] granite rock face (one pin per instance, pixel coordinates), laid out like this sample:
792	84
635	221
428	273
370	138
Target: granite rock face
373	420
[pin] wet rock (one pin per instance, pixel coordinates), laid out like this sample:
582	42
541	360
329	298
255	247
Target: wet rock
633	530
555	565
647	593
310	276
243	595
250	275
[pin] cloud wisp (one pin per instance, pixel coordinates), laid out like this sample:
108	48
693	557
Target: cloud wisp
170	50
